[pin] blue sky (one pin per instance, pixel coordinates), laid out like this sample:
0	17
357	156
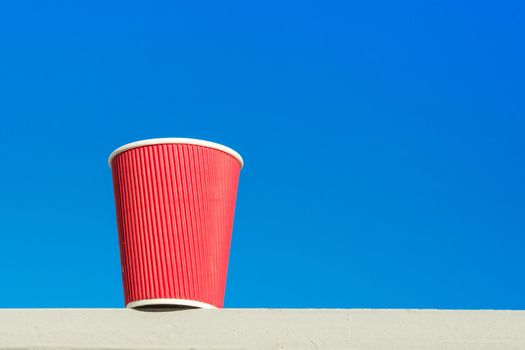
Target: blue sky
383	145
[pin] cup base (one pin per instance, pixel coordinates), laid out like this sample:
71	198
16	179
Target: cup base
169	303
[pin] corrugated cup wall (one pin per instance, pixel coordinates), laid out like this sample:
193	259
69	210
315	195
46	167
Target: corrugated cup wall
175	206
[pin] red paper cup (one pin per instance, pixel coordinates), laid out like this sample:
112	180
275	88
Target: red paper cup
175	200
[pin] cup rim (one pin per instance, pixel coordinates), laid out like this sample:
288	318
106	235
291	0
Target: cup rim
170	301
175	140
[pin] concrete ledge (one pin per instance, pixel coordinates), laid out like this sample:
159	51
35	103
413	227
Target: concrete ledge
122	329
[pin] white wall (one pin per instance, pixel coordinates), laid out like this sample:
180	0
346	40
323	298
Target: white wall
119	329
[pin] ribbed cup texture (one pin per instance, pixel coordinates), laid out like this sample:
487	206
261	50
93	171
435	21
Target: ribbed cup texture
175	206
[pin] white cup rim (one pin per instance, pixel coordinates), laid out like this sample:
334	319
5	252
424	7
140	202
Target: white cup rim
175	140
170	301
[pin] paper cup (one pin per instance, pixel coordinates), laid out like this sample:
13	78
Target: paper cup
175	201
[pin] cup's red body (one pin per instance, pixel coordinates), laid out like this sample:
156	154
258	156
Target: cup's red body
175	201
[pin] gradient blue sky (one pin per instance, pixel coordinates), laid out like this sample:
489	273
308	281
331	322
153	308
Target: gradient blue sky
384	145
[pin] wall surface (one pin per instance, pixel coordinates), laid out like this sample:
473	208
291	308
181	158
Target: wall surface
119	329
